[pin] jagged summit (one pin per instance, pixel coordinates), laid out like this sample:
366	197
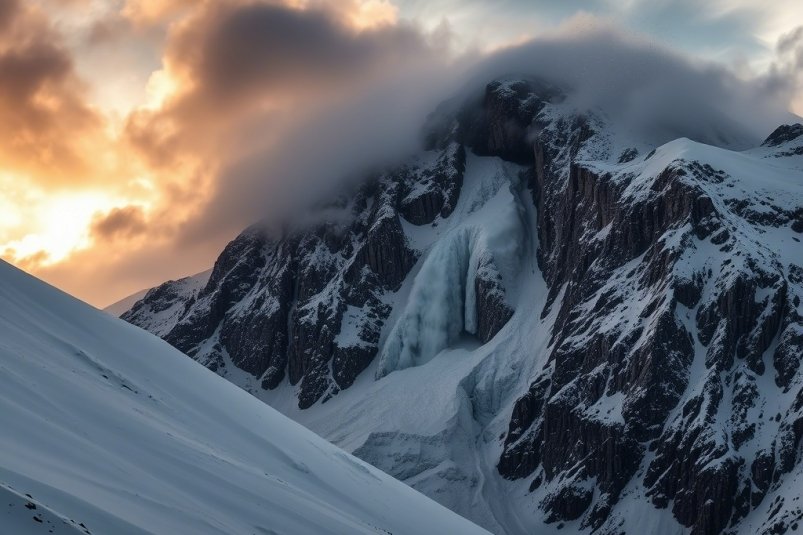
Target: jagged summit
542	320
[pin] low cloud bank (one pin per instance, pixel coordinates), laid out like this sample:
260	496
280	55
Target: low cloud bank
345	123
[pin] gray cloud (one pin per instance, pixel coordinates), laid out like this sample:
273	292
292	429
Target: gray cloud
339	100
275	48
353	101
42	107
790	41
8	10
790	52
660	93
123	222
701	28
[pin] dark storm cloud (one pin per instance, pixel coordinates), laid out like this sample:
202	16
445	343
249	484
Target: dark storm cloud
276	48
8	9
41	106
233	59
28	69
352	101
123	222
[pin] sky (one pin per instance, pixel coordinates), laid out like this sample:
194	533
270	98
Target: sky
140	136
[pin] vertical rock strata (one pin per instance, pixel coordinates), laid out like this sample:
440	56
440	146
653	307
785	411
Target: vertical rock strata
673	307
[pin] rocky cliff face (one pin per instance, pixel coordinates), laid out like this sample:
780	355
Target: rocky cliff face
310	306
676	296
539	321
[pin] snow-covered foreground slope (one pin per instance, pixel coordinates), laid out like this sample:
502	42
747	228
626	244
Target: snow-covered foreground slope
107	429
541	322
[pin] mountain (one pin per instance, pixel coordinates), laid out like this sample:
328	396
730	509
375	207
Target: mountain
105	429
124	305
545	321
162	301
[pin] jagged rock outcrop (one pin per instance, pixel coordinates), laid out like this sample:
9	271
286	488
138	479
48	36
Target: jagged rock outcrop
563	324
310	306
618	245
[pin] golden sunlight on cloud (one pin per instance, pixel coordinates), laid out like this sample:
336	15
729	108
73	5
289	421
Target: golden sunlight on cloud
121	117
39	228
149	12
160	86
370	13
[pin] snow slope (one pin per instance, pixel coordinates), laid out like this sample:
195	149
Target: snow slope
105	428
124	305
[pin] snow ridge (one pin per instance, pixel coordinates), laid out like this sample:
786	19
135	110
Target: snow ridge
104	428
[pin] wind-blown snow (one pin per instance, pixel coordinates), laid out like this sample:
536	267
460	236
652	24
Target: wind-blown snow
104	428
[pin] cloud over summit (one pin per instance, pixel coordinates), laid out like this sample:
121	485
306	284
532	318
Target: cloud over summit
261	109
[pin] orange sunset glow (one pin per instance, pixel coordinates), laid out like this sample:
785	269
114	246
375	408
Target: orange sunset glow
122	119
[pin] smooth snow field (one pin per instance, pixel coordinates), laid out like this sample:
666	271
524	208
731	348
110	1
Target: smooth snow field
106	429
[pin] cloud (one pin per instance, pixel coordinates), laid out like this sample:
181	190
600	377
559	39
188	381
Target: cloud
8	11
273	48
237	65
124	222
656	91
788	66
260	109
46	121
346	119
282	102
143	13
790	48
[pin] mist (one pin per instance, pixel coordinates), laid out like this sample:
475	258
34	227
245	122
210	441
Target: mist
659	94
275	111
337	142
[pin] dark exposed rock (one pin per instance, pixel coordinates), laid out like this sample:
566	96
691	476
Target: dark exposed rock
436	190
628	155
784	134
522	451
492	310
587	232
276	308
498	124
385	252
568	503
656	344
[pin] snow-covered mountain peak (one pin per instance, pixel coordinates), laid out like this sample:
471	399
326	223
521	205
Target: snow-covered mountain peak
547	320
